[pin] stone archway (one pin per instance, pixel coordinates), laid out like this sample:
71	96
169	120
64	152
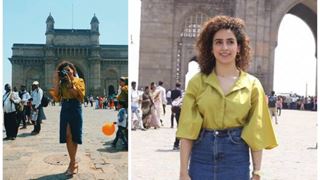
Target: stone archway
189	30
305	10
110	81
32	74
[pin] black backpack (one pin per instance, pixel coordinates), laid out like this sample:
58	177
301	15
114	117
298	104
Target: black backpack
272	101
45	100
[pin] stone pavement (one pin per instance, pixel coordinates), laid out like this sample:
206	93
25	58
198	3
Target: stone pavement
152	157
42	157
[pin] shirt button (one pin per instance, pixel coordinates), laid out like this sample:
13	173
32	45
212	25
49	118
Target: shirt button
217	133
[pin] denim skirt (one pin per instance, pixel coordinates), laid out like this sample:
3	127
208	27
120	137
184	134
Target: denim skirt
71	113
220	155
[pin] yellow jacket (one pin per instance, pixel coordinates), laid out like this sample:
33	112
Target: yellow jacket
206	106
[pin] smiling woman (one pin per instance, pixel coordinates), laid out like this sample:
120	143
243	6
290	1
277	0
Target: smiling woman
224	111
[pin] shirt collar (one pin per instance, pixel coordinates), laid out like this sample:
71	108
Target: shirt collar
242	81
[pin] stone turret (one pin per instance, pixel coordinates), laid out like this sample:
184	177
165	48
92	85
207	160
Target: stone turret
94	31
50	30
50	24
94	24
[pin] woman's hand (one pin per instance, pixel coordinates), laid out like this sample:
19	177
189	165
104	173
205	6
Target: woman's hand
69	79
255	177
184	176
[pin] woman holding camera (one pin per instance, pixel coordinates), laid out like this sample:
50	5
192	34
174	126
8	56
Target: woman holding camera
70	90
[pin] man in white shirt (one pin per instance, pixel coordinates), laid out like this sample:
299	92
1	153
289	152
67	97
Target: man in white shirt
10	113
25	96
37	95
135	107
163	96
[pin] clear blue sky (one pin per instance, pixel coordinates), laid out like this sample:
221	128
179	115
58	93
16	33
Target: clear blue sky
25	22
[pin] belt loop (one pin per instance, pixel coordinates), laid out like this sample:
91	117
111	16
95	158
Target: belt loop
201	134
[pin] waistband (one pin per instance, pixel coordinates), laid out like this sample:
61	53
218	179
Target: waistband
69	100
221	132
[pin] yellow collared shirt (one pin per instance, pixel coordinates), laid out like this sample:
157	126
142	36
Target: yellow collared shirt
206	106
79	85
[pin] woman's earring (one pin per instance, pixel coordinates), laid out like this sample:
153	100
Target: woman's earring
238	57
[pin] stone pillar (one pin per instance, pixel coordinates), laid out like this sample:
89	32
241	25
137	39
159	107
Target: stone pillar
156	41
17	75
256	15
94	77
49	70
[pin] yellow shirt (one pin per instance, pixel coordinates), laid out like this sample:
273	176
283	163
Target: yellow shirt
79	85
206	106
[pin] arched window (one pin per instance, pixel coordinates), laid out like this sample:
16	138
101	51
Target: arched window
192	25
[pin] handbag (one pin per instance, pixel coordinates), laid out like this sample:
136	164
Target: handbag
19	106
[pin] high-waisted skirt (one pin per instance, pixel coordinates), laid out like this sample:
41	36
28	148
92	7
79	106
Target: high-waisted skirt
71	113
220	155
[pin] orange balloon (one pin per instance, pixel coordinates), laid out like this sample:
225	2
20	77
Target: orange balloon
108	128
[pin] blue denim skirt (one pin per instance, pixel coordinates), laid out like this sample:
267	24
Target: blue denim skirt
71	113
220	155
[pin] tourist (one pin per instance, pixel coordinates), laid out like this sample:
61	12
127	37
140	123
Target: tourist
156	98
70	90
25	96
176	102
224	111
135	108
37	108
163	97
10	113
272	100
122	125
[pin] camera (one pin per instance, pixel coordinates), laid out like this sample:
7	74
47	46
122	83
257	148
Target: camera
63	73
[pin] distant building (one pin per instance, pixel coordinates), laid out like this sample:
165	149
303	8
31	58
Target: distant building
101	66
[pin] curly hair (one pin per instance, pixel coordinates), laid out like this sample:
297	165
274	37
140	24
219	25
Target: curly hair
61	66
204	43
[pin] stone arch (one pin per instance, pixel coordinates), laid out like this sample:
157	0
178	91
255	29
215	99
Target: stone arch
110	81
188	29
306	11
300	9
32	74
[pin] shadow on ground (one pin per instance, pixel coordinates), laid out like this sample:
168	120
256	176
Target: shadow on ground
112	149
24	135
62	176
166	150
59	176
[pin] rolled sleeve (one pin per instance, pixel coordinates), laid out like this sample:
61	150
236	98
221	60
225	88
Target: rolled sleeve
190	121
258	133
79	85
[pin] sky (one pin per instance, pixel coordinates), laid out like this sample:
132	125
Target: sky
295	62
294	66
25	22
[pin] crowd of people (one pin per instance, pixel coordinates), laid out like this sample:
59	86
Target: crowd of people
149	106
22	107
291	101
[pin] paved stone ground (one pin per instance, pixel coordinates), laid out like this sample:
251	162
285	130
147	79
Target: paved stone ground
24	158
295	158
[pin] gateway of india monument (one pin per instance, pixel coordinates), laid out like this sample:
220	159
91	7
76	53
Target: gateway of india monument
169	29
101	66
